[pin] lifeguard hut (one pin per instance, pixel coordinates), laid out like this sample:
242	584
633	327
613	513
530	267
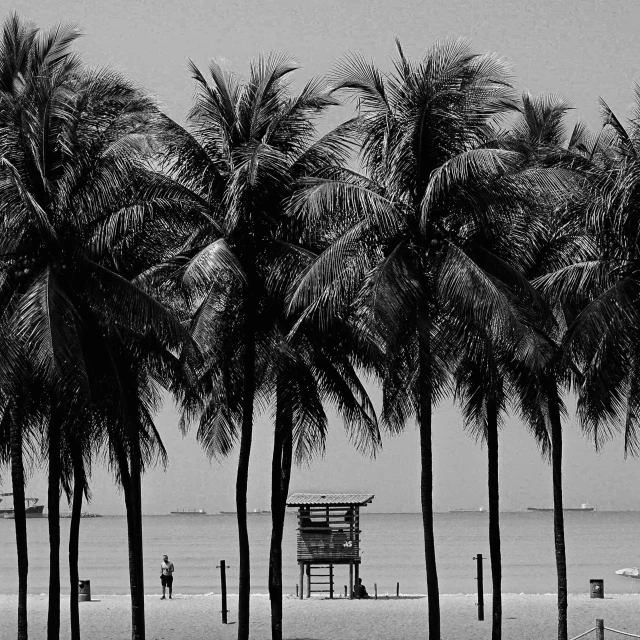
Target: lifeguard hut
328	534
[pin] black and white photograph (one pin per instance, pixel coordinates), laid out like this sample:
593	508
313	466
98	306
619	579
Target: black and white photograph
319	320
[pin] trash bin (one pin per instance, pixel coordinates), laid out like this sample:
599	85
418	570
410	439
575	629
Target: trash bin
84	590
597	588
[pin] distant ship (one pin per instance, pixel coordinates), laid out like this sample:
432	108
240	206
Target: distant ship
478	510
583	507
189	512
32	509
255	512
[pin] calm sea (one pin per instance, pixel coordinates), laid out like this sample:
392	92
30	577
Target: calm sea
597	544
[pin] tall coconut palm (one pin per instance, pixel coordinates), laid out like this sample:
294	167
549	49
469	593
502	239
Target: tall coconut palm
435	175
78	447
481	391
249	143
75	183
558	238
313	370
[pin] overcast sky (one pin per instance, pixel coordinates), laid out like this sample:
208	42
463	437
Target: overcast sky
582	49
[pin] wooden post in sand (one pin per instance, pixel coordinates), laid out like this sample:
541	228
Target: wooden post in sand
375	589
478	560
397	589
599	629
351	580
331	581
223	587
301	580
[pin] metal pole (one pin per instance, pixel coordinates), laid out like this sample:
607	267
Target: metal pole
478	560
375	589
397	589
223	586
599	629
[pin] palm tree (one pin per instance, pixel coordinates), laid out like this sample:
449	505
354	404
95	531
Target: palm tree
435	176
558	239
78	448
602	336
313	369
249	145
481	391
601	286
69	140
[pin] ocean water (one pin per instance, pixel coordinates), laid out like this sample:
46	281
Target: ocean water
598	544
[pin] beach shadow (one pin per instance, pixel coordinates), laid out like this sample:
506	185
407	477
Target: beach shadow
378	599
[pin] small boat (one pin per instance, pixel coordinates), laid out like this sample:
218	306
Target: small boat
629	573
84	514
189	512
32	508
583	507
478	510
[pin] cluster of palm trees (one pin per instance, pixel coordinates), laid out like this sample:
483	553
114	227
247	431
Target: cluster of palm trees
242	263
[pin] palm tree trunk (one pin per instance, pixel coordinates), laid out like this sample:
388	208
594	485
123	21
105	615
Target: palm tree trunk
74	539
426	477
280	477
137	596
136	488
494	518
558	506
17	481
53	503
244	573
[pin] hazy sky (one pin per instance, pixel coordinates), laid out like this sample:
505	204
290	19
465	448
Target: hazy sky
582	49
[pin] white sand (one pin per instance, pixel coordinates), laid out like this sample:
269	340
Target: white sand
198	617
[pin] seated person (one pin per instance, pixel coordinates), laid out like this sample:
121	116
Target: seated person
360	591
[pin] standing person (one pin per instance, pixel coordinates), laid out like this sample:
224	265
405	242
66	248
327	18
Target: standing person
166	576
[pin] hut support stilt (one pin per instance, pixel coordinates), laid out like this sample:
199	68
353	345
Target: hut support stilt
351	580
331	581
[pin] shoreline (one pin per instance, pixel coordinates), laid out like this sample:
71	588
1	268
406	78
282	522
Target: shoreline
197	617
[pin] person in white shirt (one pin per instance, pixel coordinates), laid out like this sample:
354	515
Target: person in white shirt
166	576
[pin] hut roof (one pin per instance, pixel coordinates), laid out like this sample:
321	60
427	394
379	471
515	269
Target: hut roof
304	499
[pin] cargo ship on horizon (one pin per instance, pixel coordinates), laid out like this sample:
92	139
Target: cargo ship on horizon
583	507
32	508
189	512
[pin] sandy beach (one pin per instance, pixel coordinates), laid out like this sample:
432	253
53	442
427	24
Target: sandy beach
526	617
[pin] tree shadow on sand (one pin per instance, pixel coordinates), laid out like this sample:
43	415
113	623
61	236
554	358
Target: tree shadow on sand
372	599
